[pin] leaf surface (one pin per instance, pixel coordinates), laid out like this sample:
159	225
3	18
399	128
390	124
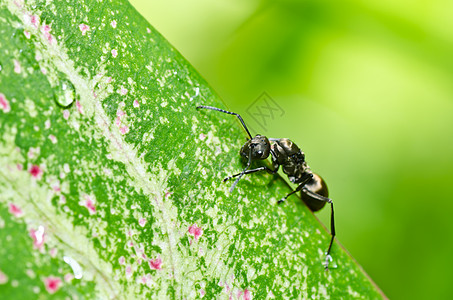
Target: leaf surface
111	180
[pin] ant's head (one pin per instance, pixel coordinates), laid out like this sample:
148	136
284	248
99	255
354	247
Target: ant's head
259	148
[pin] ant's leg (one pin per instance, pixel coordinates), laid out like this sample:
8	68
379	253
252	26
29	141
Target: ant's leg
243	171
332	232
253	171
306	177
332	221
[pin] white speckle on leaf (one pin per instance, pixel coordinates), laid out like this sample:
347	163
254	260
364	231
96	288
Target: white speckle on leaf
53	139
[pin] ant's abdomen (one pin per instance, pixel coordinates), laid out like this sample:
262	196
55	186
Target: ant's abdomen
316	185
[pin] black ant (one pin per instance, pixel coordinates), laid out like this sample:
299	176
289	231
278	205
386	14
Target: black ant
292	160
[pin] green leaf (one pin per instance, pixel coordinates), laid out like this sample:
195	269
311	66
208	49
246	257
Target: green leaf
111	180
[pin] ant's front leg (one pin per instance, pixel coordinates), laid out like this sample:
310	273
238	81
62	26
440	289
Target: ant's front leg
263	168
305	178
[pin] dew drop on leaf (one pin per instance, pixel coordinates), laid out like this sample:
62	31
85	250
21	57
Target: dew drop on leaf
76	268
65	93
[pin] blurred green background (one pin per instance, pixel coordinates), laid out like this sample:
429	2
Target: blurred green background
366	88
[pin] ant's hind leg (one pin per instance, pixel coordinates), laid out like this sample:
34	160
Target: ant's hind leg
306	177
332	221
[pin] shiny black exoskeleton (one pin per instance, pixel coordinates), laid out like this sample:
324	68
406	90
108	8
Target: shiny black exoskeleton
286	154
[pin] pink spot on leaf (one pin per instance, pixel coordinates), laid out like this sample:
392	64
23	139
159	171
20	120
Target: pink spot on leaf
20	167
113	24
15	210
124	129
32	152
27	34
136	104
45	29
68	277
4	103
202	136
167	193
123	91
155	264
17	67
114	53
66	114
128	272
19	3
195	231
84	28
38	237
79	107
142	222
52	284
53	252
36	171
247	295
89	203
118	121
34	20
121	260
144	280
3	278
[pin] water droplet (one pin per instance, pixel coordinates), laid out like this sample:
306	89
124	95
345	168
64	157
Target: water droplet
65	93
197	93
76	268
40	234
330	263
0	68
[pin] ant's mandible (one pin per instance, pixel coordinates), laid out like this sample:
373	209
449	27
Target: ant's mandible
292	160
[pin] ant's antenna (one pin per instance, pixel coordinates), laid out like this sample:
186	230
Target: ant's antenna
230	113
